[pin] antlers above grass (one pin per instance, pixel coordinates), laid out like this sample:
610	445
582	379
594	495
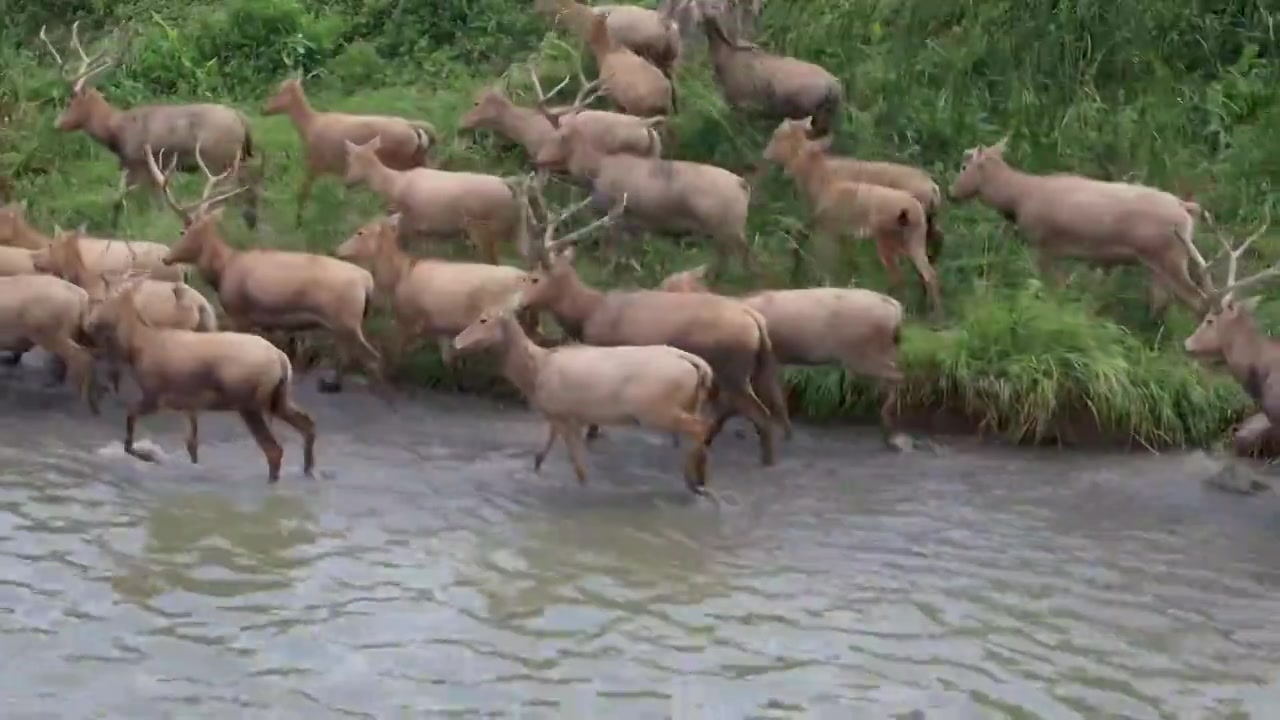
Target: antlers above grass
89	66
191	211
1232	285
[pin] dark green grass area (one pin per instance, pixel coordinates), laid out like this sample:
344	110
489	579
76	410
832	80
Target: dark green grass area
1182	96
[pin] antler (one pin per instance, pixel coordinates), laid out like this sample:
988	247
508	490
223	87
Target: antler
1232	285
189	212
89	66
555	246
588	90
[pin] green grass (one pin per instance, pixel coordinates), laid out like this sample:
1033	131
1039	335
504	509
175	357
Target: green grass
1185	97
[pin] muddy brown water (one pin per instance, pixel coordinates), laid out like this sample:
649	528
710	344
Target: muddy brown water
428	572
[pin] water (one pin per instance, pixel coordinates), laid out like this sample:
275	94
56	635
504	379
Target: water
428	572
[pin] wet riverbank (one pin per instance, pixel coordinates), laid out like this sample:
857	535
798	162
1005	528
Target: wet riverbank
427	570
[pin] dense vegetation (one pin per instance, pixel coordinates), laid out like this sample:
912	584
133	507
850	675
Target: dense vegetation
1182	95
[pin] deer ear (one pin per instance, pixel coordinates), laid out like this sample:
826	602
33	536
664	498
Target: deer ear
393	220
566	256
82	230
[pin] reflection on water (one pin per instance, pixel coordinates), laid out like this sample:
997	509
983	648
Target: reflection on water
429	572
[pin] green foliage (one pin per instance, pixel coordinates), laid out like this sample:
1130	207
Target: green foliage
1185	96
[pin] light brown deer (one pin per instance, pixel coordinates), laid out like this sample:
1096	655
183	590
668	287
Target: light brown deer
49	312
429	297
654	36
635	86
1065	216
892	217
575	386
192	372
730	336
674	197
161	303
403	144
855	328
277	289
101	255
438	203
220	133
772	86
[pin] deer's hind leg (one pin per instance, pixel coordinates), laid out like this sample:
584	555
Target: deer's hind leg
261	432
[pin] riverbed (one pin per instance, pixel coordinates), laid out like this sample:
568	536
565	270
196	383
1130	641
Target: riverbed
427	571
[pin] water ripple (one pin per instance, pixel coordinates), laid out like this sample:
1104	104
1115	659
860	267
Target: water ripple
429	571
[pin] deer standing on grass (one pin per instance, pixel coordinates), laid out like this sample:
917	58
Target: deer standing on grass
440	204
220	133
731	337
576	386
403	144
1066	216
650	34
191	371
1229	334
841	207
276	289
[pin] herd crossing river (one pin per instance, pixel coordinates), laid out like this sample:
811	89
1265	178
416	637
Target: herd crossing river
428	572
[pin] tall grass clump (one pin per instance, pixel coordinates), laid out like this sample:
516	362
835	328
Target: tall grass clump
1185	96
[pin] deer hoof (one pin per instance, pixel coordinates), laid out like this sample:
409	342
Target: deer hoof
329	385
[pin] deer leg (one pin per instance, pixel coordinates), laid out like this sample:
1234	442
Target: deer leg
79	361
299	420
593	433
767	383
12	358
577	450
887	250
144	406
1158	296
743	248
257	425
825	252
552	432
695	428
1174	275
741	399
304	193
193	437
918	252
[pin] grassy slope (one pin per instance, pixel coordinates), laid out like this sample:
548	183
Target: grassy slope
1185	107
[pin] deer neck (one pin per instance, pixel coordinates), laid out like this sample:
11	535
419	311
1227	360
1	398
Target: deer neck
575	304
524	125
300	112
521	357
383	180
103	124
214	258
132	334
1003	187
390	268
810	172
1244	355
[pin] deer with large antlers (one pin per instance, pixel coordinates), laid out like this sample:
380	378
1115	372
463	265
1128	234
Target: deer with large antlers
275	289
221	132
729	335
1229	334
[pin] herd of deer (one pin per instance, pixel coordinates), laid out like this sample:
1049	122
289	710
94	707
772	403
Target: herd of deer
654	357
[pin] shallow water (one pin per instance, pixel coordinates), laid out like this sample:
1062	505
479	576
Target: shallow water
427	571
